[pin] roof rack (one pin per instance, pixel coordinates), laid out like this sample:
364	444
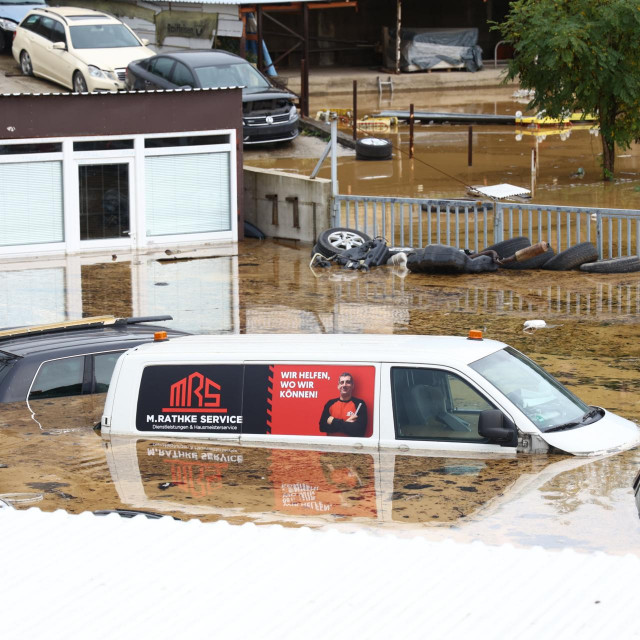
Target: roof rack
84	323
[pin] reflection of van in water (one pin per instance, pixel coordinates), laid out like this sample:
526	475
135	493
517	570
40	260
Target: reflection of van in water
403	392
206	479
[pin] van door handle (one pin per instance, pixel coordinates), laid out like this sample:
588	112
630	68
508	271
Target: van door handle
403	447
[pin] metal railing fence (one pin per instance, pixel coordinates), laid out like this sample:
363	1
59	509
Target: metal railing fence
417	222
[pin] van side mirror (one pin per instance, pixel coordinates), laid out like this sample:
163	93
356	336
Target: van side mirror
59	46
496	427
145	41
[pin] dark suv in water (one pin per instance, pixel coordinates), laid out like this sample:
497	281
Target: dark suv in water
69	358
268	113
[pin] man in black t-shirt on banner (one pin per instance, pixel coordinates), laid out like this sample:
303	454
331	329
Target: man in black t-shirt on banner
346	415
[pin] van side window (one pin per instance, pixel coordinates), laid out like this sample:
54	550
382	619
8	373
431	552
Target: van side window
431	404
59	378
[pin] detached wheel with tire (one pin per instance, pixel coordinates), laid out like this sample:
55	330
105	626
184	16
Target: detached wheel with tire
373	149
627	264
572	257
79	83
25	63
335	241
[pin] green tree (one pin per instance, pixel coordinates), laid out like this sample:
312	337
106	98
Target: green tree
580	55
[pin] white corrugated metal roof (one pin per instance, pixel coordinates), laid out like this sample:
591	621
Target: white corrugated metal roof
68	577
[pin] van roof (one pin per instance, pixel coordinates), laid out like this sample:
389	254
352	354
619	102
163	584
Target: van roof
324	347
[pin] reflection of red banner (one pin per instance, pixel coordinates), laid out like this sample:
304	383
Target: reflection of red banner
317	482
298	393
195	478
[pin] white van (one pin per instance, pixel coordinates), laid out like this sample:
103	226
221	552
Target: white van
364	391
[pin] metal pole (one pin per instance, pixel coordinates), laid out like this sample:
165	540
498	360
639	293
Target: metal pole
470	148
411	123
334	154
355	109
398	25
307	61
534	163
260	60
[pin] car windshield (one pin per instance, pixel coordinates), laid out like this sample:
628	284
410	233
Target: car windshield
102	36
231	75
537	394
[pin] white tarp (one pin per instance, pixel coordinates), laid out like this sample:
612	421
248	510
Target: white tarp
500	191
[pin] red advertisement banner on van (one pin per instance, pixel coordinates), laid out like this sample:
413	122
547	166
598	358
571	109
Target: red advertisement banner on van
309	400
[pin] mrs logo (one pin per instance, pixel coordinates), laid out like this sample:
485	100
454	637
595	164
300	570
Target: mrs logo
195	394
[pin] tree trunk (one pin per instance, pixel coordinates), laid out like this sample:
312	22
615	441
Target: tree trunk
608	158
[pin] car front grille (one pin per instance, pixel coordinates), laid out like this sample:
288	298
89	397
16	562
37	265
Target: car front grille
262	121
121	73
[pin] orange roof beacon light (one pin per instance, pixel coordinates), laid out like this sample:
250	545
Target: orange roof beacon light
160	336
475	334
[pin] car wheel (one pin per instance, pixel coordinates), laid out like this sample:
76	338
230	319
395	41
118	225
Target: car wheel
25	64
339	239
79	83
373	149
627	264
4	42
572	257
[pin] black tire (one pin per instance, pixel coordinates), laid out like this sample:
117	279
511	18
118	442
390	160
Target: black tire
373	149
25	64
506	248
438	258
337	240
572	257
537	262
79	83
4	42
627	264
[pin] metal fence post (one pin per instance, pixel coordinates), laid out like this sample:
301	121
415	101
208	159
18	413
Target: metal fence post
599	235
498	223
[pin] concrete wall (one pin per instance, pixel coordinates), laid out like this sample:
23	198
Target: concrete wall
270	199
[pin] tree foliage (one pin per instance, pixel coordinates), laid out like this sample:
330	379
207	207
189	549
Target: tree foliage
580	55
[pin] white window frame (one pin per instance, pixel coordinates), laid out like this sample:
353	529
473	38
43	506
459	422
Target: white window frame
137	207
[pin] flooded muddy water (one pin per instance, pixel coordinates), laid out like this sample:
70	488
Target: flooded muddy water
568	158
51	457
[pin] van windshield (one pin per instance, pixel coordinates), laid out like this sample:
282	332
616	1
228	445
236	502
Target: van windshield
537	394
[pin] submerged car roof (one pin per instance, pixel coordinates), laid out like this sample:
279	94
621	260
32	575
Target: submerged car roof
324	347
100	333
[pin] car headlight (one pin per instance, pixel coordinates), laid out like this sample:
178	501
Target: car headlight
102	73
293	114
7	25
